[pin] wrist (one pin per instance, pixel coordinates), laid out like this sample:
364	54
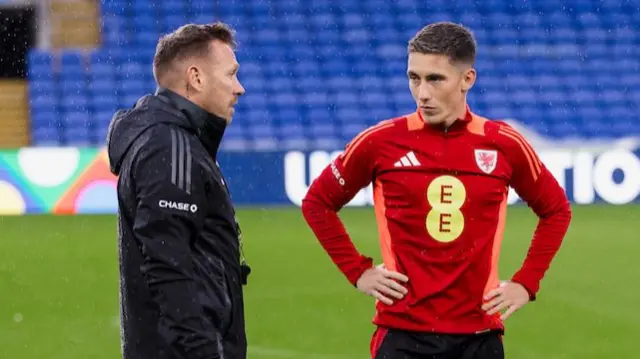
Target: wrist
355	275
527	287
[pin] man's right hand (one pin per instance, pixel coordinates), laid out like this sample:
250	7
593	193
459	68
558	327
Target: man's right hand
382	284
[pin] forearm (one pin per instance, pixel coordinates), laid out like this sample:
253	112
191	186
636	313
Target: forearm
332	235
338	183
554	215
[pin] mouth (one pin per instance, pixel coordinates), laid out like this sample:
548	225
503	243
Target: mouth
428	109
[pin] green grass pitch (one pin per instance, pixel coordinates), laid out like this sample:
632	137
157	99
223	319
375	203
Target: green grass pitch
59	299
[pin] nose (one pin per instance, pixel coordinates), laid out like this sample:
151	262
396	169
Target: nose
424	92
239	89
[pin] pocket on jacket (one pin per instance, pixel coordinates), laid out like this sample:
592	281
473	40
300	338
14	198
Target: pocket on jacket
229	303
216	299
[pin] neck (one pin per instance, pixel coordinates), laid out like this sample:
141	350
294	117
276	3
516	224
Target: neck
459	113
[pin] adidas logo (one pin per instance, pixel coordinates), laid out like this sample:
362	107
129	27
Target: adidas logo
408	160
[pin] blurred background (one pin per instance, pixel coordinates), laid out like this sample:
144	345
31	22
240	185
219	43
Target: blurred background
565	73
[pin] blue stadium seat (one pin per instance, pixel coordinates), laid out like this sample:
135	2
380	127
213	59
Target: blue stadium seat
72	59
292	137
45	118
114	7
142	7
101	57
322	130
206	6
146	39
103	102
349	131
173	7
317	73
171	22
74	102
102	86
73	118
39	65
46	136
41	87
43	101
102	117
261	130
78	136
319	116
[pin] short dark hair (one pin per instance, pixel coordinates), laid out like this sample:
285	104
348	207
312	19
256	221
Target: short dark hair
445	38
188	41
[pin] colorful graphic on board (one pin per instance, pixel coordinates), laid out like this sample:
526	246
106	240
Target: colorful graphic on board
56	180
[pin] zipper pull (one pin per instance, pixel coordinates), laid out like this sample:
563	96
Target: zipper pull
245	269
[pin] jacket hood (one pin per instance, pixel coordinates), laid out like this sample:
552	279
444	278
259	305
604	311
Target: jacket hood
164	107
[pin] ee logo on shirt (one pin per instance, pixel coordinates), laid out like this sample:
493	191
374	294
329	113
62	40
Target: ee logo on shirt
445	221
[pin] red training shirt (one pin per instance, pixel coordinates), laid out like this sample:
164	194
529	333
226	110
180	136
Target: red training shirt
440	199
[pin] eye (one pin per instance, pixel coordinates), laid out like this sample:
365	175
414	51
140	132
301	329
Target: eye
435	78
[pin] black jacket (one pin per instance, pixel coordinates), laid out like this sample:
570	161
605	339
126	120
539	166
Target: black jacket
179	243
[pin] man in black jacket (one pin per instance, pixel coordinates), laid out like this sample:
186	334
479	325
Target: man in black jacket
181	269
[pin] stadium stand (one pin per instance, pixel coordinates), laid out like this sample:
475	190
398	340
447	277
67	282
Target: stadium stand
13	111
74	23
318	72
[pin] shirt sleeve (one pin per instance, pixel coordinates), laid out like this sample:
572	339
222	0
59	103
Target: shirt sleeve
533	182
167	221
338	183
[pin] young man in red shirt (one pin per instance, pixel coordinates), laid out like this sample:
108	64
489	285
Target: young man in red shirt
441	177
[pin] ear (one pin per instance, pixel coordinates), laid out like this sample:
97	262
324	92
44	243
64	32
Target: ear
468	79
194	77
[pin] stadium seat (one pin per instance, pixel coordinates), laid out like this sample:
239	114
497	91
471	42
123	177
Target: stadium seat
317	73
173	7
46	136
39	65
79	136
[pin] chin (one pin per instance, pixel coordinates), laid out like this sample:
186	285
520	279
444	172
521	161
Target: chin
433	120
228	118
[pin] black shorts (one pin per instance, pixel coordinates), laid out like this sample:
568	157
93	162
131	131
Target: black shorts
399	344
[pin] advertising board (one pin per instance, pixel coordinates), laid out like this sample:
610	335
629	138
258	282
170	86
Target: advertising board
74	180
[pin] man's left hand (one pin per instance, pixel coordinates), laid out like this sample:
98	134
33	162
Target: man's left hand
509	296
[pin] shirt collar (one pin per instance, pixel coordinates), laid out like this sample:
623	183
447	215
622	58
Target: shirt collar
467	117
210	127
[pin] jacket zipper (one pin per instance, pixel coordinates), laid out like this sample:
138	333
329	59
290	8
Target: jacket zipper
245	270
444	152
